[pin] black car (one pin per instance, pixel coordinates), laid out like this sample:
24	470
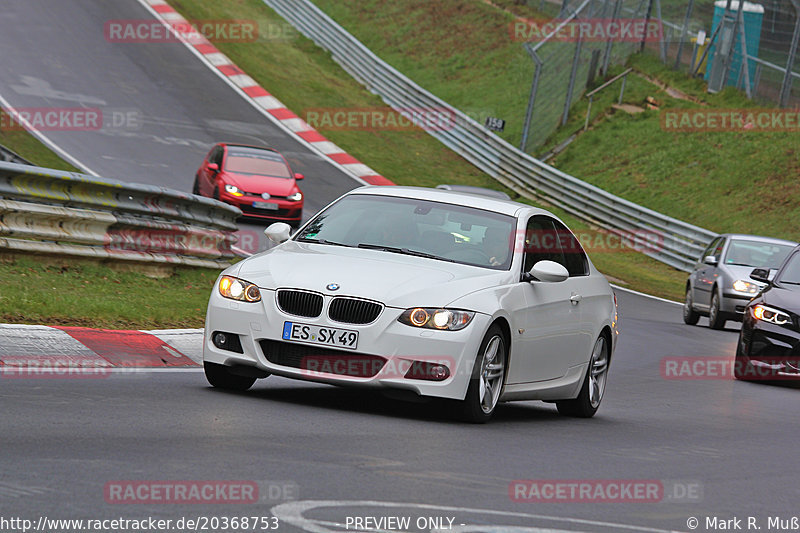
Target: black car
769	343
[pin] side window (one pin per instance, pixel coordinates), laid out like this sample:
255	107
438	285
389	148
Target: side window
541	242
218	156
718	249
575	258
711	247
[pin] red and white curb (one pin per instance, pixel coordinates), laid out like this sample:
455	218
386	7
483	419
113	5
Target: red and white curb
262	100
52	351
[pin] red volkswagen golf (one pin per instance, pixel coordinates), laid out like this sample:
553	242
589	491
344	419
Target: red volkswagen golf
257	180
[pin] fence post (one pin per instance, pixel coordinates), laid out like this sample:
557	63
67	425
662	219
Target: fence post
573	73
532	98
647	22
786	86
607	54
683	35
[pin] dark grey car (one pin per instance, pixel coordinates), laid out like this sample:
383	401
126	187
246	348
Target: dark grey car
720	286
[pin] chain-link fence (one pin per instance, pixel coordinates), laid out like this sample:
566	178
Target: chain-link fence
580	44
748	45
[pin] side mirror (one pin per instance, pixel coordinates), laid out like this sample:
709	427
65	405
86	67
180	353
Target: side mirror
213	167
760	274
711	260
547	271
278	232
298	176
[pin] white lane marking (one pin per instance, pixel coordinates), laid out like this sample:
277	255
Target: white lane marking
63	154
292	513
646	295
253	103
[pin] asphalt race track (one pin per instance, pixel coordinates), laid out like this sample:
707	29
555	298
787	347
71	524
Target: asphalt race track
731	444
321	456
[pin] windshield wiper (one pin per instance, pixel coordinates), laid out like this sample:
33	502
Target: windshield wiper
324	241
404	251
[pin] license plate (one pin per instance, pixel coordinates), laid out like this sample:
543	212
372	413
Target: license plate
265	205
324	335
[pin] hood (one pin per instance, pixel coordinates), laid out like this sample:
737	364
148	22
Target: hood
741	272
260	184
786	297
393	279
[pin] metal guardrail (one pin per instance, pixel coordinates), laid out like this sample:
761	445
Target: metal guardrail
678	243
50	211
8	155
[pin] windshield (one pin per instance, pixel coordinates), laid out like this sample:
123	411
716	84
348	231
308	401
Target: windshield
416	227
254	161
791	274
756	254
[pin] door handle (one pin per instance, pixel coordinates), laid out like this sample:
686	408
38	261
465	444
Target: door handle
575	298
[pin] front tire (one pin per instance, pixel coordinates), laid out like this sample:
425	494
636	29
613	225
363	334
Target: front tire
742	369
488	376
594	384
196	186
220	377
690	316
715	318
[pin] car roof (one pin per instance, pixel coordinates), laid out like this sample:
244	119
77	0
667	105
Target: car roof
482	191
498	205
252	146
770	240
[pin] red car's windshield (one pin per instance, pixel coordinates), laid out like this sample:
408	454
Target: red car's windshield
254	161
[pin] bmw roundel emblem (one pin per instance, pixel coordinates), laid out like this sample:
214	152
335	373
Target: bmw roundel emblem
333	287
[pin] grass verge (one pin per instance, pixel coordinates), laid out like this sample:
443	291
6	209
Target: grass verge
81	293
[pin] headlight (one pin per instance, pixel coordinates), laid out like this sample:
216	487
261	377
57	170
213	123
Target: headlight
234	190
237	289
745	286
296	197
432	318
769	314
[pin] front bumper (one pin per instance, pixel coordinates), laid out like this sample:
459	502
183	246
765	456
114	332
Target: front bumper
733	304
288	211
259	327
772	350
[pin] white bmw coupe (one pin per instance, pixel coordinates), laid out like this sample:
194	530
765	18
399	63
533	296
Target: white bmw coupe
440	293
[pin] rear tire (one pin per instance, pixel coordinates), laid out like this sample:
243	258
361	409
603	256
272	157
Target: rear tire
488	377
715	318
220	377
594	384
690	316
